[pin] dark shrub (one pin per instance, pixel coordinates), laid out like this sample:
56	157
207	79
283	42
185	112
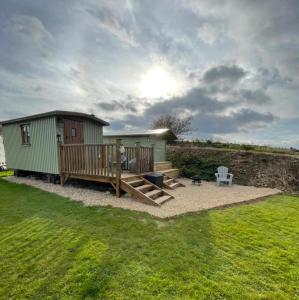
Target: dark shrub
190	165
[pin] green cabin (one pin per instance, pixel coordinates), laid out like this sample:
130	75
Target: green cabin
2	155
146	138
31	143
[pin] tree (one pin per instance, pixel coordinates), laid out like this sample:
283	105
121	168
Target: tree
178	125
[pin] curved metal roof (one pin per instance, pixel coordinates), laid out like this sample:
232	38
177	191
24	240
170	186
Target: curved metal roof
58	113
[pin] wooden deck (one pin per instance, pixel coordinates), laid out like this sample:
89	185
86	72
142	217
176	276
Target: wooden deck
122	167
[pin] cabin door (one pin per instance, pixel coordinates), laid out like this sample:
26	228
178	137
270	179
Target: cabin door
73	132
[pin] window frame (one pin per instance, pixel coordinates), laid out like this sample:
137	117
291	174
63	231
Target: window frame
25	134
73	129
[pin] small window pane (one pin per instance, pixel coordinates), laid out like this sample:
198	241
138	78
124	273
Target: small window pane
25	134
74	132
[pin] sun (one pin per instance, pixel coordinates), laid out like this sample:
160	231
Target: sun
157	83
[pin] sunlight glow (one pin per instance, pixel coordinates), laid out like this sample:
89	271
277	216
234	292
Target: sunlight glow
78	91
157	83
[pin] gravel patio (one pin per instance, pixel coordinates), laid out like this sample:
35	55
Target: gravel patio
187	199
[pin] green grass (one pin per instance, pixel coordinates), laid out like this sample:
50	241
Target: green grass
52	248
6	173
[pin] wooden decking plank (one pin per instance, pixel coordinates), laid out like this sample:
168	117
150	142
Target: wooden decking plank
174	185
144	187
163	199
154	194
136	182
168	181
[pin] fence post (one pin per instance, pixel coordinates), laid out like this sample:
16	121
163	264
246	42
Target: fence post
153	158
137	148
118	168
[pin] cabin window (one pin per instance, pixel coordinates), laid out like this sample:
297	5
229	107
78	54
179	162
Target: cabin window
25	133
74	132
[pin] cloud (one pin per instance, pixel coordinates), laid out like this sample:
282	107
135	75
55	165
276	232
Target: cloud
223	72
255	96
271	76
265	32
116	105
210	33
28	27
114	25
210	116
225	82
195	100
242	58
248	116
243	120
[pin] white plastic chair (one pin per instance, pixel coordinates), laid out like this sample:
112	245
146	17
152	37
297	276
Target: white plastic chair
224	176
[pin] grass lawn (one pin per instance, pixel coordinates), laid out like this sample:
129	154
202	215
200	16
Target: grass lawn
52	248
6	173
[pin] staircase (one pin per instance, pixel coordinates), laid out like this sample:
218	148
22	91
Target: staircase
144	191
165	167
171	183
170	174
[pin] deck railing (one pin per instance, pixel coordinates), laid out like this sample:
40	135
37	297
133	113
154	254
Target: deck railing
140	158
105	159
89	159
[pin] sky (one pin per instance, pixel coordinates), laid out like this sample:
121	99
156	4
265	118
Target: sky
232	65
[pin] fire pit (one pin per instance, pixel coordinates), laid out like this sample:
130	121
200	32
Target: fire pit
196	179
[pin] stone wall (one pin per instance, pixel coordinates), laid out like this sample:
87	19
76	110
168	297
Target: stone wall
249	168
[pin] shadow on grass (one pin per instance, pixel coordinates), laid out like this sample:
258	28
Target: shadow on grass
55	248
122	248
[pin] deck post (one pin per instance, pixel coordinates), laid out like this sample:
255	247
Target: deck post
60	162
62	179
118	168
137	148
153	158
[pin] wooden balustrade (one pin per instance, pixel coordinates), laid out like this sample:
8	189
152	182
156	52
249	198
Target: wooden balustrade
141	157
128	156
105	159
88	159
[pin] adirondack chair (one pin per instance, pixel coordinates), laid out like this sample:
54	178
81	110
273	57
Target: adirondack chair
224	176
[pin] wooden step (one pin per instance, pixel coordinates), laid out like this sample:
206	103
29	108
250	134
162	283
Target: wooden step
171	183
154	194
137	194
163	199
160	166
144	188
173	173
174	185
145	192
137	182
130	178
168	181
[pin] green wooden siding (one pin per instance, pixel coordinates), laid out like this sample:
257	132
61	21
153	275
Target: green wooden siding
160	150
41	155
2	155
93	133
146	141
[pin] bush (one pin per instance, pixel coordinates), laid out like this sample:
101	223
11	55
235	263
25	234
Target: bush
190	165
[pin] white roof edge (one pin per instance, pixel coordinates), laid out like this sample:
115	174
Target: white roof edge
132	133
